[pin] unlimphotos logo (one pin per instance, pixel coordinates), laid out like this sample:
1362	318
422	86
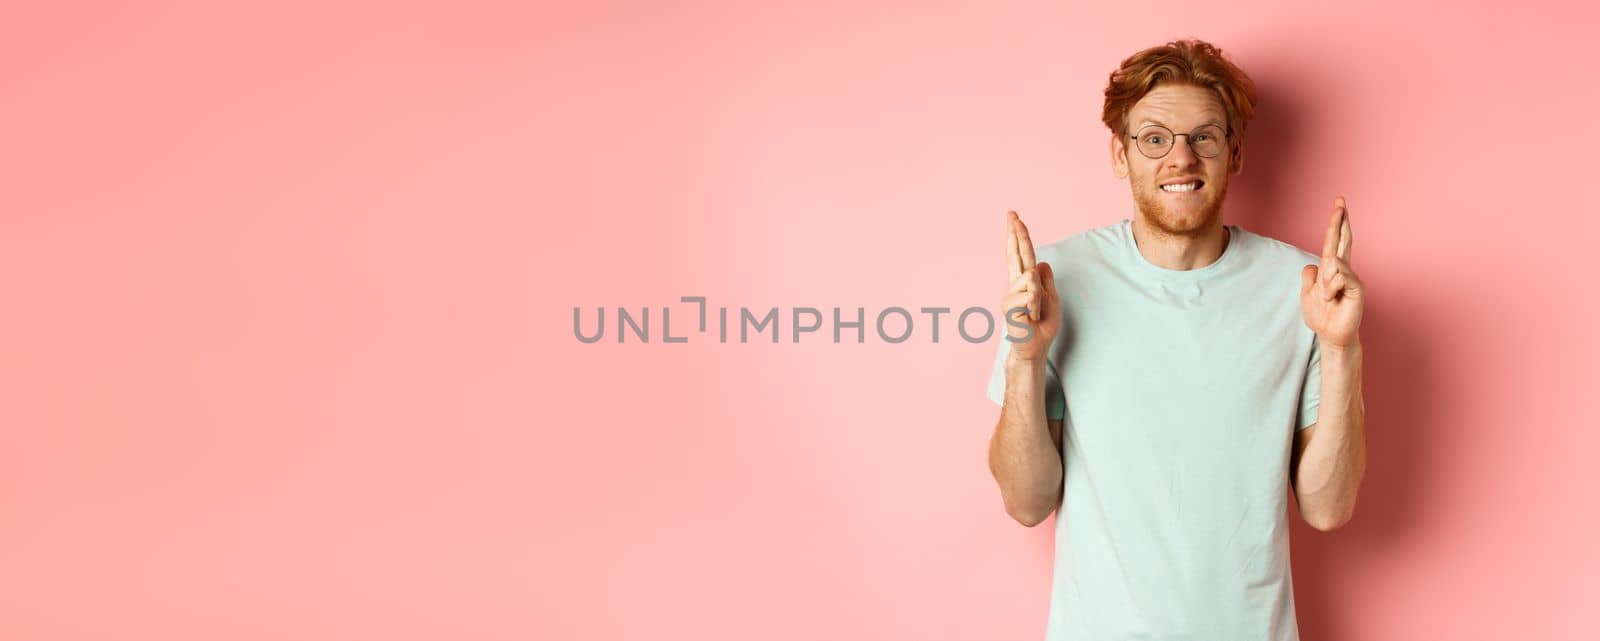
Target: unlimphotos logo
893	324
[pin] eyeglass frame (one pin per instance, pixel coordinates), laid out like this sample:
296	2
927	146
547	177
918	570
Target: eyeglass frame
1227	135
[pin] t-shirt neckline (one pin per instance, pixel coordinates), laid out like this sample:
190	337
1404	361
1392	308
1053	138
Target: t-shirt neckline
1235	237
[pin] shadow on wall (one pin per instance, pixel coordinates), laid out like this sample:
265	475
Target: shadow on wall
1254	199
1398	387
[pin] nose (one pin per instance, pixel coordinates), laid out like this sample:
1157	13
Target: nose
1181	155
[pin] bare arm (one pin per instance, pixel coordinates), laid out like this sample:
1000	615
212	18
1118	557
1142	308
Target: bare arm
1025	452
1330	457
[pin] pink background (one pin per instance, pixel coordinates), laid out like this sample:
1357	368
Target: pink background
288	354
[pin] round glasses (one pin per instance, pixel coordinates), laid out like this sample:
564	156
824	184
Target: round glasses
1155	141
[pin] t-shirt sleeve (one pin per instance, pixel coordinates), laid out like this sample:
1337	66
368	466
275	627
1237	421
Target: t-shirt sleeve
1055	400
1311	389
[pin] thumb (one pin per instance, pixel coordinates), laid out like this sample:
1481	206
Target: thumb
1308	277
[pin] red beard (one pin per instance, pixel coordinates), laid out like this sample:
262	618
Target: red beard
1148	199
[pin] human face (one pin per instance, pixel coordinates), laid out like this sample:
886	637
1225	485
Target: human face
1182	109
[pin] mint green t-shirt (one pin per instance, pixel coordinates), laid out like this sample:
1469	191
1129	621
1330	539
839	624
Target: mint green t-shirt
1180	392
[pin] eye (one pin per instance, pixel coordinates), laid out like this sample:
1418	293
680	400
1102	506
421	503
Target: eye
1155	139
1202	137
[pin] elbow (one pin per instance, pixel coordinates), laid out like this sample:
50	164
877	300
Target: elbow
1328	520
1028	516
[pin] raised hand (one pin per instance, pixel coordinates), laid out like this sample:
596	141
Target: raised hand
1331	296
1031	298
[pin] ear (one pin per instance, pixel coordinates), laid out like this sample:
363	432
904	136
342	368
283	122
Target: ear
1119	157
1237	161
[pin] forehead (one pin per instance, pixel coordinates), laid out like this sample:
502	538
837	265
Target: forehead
1181	106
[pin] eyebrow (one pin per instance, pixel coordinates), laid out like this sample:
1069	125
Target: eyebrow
1151	121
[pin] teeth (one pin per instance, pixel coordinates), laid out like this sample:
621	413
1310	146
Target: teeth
1181	187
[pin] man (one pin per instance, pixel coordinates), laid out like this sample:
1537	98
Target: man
1166	380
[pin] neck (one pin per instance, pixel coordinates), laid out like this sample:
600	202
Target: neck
1180	251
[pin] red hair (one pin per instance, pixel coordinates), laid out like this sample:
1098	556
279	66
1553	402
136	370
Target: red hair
1189	62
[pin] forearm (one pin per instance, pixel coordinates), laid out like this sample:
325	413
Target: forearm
1333	461
1022	455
